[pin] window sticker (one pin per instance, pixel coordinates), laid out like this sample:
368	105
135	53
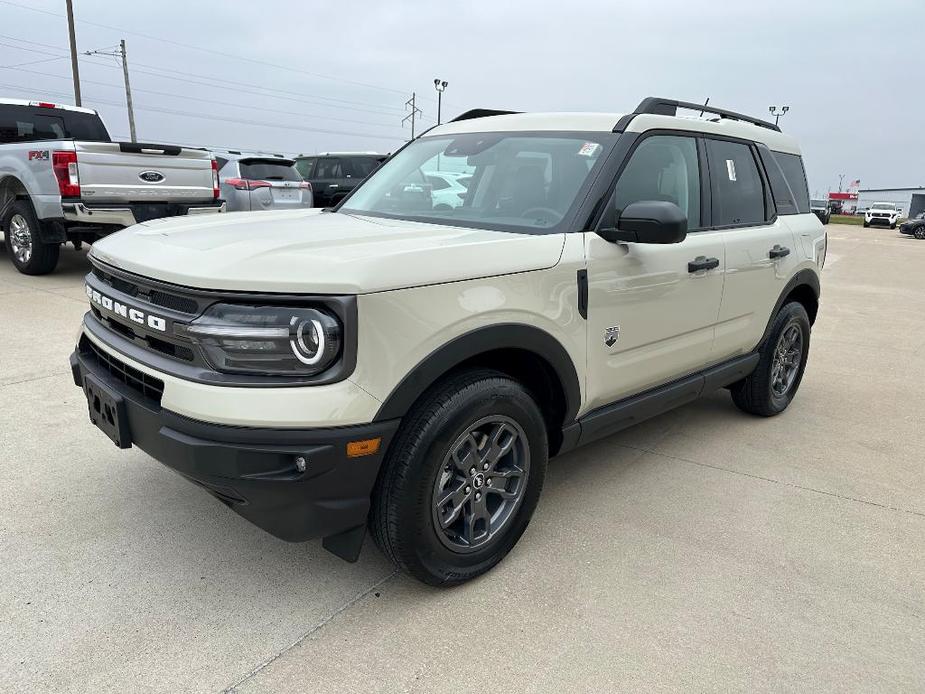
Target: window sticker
589	149
731	169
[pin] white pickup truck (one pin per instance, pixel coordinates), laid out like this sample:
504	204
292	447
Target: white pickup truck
63	179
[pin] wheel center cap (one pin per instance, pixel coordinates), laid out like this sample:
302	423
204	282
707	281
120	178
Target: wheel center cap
478	481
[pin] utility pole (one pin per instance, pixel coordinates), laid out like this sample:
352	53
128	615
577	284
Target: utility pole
128	93
841	180
415	112
777	114
73	40
440	86
128	87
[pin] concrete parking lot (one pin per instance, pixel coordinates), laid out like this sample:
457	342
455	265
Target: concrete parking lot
704	549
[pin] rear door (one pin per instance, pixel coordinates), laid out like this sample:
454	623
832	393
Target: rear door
651	316
761	250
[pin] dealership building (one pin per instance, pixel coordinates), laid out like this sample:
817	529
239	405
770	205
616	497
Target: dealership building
910	201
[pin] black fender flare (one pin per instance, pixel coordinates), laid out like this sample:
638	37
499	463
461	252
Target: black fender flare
804	278
472	344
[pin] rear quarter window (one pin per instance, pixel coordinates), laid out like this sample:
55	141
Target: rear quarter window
792	167
306	167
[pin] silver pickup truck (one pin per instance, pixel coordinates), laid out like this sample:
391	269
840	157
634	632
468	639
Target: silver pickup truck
63	179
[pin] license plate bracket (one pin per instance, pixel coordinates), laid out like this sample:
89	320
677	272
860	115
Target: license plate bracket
107	411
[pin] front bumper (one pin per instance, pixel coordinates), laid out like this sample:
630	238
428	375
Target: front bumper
254	470
133	213
881	220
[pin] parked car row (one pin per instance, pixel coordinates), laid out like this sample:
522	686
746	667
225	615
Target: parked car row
63	179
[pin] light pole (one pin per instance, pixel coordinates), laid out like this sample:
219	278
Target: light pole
440	86
777	114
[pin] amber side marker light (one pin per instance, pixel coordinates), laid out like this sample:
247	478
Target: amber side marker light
357	449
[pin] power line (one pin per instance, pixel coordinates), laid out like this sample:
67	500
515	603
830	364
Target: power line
213	117
232	56
233	86
213	101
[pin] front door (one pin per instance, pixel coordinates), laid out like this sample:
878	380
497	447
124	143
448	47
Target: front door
651	312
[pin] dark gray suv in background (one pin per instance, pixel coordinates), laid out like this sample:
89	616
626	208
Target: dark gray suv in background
334	174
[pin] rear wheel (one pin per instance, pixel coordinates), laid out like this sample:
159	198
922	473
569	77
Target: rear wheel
770	388
462	478
24	246
920	233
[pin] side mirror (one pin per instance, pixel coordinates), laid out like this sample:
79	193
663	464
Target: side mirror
650	221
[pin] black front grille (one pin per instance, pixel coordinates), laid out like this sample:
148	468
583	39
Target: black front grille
155	296
149	387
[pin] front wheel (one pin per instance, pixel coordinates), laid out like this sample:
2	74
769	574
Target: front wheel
461	479
866	224
920	233
29	255
770	388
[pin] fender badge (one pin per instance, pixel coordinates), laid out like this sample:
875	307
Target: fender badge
611	335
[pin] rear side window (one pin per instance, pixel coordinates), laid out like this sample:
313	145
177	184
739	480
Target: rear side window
268	170
738	192
360	167
792	166
306	167
29	124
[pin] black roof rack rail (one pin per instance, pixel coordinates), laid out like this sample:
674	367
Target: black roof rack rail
669	107
482	113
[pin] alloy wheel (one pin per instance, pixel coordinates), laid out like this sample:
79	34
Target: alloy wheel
787	357
20	238
480	483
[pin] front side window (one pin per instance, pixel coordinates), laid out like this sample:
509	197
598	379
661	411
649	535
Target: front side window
738	192
666	168
305	167
526	182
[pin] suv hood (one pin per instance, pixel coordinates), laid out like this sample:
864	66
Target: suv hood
310	252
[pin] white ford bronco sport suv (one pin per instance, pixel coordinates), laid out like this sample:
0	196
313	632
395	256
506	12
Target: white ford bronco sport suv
394	365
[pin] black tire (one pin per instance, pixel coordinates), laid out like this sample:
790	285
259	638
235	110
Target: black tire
404	521
760	392
920	233
866	225
892	226
29	255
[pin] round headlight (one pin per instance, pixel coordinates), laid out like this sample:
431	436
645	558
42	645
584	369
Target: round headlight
267	340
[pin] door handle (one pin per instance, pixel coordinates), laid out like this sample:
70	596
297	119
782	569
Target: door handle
778	252
333	185
702	263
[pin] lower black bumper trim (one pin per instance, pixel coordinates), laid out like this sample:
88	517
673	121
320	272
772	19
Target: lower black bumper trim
254	470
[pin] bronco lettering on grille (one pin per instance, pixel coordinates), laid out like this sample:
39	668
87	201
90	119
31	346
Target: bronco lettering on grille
129	312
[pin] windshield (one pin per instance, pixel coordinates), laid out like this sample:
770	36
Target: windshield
883	206
512	181
818	203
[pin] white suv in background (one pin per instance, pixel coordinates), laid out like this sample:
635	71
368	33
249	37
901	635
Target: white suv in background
882	213
409	367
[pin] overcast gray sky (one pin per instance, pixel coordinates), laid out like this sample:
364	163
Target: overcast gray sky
850	71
